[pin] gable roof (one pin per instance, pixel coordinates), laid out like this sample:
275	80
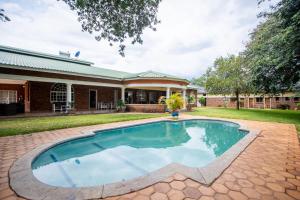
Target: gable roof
36	61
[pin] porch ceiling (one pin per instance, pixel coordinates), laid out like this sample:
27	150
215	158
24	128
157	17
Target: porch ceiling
10	81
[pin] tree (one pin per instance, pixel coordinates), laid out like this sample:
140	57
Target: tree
3	17
228	76
116	21
273	53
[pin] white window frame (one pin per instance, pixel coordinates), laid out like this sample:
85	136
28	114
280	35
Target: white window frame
61	93
8	98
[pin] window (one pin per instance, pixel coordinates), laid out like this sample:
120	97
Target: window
8	96
277	99
259	99
141	96
287	98
58	93
296	99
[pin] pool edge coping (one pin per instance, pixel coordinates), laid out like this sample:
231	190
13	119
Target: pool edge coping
25	184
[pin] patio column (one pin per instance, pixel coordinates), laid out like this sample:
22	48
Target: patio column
168	93
123	94
69	93
184	98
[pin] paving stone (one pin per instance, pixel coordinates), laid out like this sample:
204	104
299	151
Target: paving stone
282	196
245	183
159	196
293	193
191	183
233	186
179	185
192	192
237	195
206	198
147	191
263	190
239	175
251	193
162	187
207	191
295	182
141	197
271	164
219	188
275	187
175	195
257	181
179	177
222	197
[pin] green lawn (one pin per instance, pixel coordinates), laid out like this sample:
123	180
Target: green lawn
36	124
282	116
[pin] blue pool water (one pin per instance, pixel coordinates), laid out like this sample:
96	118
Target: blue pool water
122	154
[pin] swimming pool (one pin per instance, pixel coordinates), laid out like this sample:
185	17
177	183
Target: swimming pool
126	153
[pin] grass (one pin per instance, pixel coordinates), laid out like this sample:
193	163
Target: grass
282	116
19	126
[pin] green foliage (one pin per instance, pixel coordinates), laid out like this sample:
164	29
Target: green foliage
116	21
229	75
282	116
273	54
199	81
175	102
120	103
202	100
3	17
190	99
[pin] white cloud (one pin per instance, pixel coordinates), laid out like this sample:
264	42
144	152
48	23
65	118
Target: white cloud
192	34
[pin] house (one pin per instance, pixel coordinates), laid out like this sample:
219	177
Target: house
33	82
284	101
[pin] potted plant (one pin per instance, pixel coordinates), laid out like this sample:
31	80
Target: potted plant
175	103
121	107
202	101
190	102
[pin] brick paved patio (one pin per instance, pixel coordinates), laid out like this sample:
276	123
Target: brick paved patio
268	169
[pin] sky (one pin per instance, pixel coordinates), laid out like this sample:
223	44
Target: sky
192	33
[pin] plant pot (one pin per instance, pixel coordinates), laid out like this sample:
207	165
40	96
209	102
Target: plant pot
175	114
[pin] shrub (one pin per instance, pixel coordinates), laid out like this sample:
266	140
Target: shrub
175	102
283	106
202	101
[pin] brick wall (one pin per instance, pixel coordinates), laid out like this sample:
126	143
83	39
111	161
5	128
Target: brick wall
218	102
40	96
148	108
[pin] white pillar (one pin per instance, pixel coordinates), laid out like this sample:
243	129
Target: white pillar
270	102
69	93
123	94
168	93
184	98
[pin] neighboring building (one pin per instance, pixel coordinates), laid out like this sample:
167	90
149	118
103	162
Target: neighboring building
38	82
285	101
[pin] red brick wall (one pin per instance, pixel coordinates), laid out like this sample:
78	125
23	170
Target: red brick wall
148	108
218	102
104	94
40	96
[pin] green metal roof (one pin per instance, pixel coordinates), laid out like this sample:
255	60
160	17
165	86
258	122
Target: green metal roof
37	61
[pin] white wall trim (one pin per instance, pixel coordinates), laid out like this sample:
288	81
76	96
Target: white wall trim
161	85
61	72
56	80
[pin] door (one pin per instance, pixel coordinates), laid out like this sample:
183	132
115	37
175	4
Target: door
93	99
